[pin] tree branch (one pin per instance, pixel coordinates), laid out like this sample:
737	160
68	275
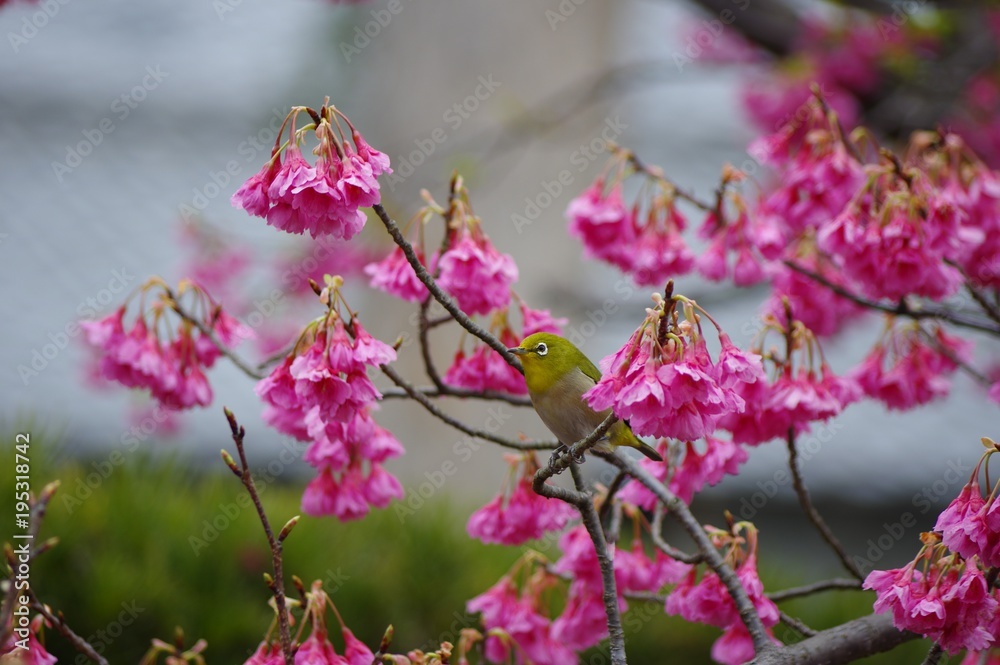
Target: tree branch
815	587
842	644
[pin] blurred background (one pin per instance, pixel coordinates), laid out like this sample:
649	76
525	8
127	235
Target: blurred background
128	126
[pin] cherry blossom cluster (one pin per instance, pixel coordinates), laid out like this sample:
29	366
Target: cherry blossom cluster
802	388
686	470
515	615
517	514
706	600
317	648
945	593
322	198
910	366
643	240
467	265
664	381
160	350
321	393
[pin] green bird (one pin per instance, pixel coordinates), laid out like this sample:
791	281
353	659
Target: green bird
558	374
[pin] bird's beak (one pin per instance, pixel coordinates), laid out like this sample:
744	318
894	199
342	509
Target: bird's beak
518	351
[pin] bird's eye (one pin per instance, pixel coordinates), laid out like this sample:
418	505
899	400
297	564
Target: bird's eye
541	349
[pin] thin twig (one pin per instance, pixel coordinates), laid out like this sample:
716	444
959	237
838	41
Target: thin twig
278	586
425	347
613	488
656	532
449	391
901	309
934	655
431	408
59	623
796	624
807	507
439	295
815	587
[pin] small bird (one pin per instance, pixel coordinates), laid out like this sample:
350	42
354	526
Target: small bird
558	374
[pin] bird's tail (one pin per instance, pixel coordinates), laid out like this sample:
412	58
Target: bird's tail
632	441
648	450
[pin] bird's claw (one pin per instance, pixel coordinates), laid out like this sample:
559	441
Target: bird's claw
561	450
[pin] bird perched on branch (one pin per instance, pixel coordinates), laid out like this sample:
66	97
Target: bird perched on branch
558	374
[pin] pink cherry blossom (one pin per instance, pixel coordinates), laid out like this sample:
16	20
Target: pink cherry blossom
517	517
819	308
603	224
253	195
356	652
267	654
29	653
395	276
540	320
475	273
583	622
484	369
317	650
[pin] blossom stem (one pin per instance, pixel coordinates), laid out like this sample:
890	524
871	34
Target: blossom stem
449	391
439	295
278	585
810	510
425	402
796	624
901	309
57	622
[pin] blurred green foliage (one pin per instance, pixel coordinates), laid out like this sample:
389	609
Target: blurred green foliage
156	545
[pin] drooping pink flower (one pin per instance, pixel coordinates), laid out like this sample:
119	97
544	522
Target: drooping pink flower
540	320
819	308
356	652
964	527
951	604
317	650
484	369
29	653
395	276
475	273
707	600
583	622
676	396
603	224
659	252
253	195
502	607
910	369
267	654
518	516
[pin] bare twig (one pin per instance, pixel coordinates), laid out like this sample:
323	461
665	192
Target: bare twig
431	408
934	655
59	623
278	584
796	624
807	507
816	587
449	391
656	532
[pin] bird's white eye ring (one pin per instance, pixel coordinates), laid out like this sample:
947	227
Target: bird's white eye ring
541	349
